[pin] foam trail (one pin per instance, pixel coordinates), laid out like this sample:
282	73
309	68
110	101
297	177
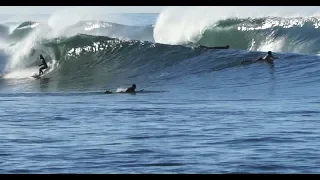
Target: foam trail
21	73
182	25
26	73
121	90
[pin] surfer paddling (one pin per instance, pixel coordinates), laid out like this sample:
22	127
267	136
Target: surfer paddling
268	58
217	47
131	89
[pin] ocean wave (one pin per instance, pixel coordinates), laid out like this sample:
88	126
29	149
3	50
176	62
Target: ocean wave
94	53
298	35
92	61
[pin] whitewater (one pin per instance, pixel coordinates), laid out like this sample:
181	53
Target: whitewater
200	111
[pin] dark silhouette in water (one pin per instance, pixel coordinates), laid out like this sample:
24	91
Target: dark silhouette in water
108	92
131	89
268	58
44	63
217	47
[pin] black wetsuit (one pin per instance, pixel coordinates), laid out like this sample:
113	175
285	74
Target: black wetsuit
130	90
218	47
45	66
269	59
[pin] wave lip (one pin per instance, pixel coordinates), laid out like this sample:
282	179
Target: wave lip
247	28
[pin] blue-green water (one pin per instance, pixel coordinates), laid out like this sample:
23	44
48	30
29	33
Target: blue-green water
201	111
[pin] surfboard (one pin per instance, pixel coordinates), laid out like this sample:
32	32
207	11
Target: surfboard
110	92
247	62
36	76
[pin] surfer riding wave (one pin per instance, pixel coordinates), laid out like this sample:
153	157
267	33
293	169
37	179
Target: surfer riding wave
43	63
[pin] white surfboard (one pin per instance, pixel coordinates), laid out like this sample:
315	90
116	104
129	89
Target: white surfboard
37	76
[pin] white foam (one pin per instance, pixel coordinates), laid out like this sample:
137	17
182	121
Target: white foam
181	25
121	90
21	73
90	25
20	53
22	49
33	25
28	72
272	44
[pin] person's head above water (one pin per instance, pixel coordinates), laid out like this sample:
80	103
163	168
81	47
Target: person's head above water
227	46
134	86
269	52
41	57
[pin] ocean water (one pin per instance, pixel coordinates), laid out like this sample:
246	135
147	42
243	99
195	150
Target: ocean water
200	111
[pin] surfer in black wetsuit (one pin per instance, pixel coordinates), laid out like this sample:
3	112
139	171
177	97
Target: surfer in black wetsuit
218	47
43	63
268	58
131	89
